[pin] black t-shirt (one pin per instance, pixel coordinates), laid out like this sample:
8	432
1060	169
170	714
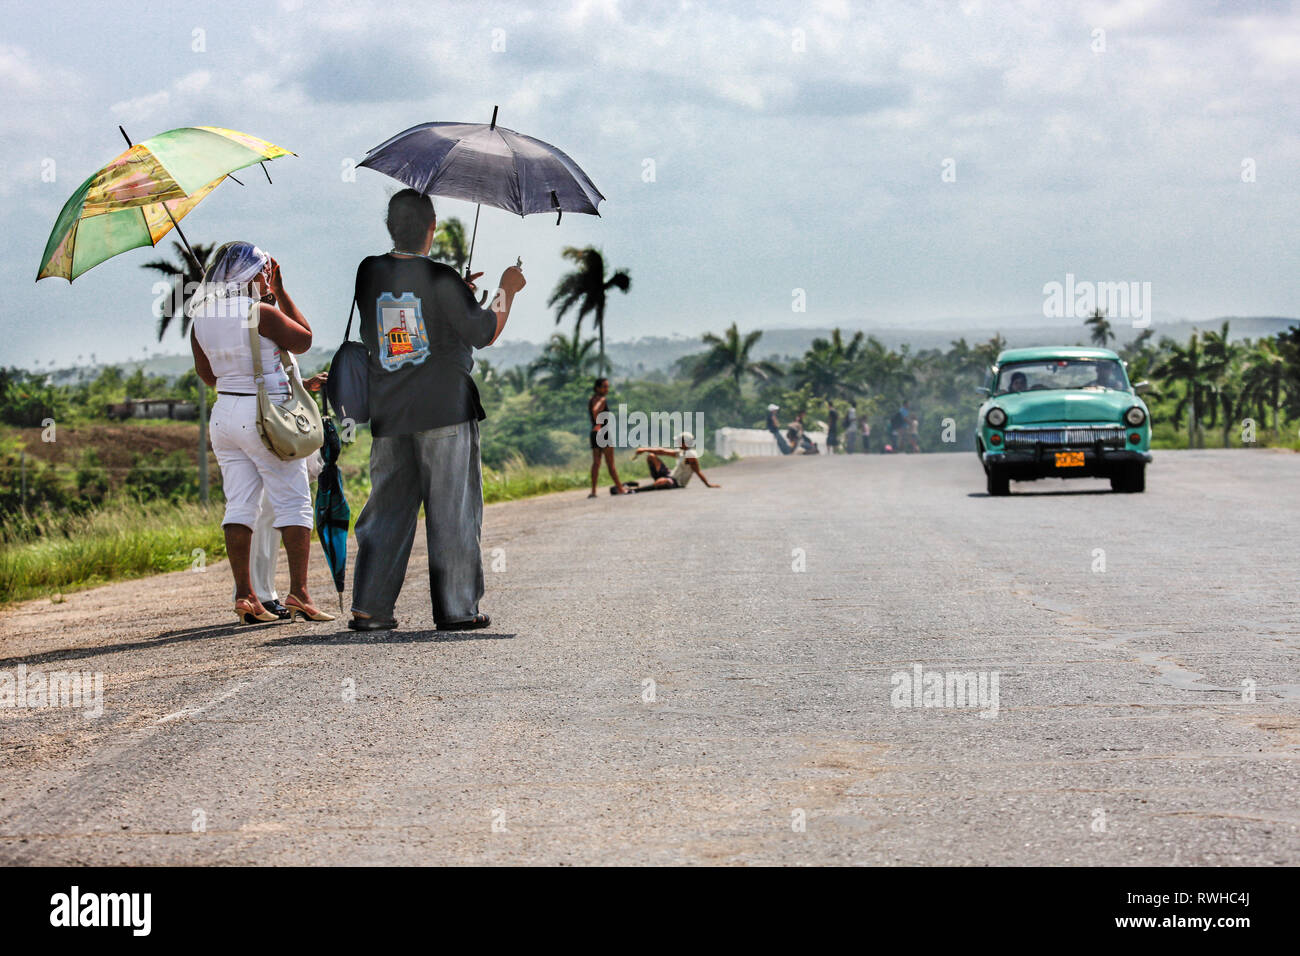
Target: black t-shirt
420	323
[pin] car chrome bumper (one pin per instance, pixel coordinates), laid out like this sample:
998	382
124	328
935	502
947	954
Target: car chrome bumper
1040	462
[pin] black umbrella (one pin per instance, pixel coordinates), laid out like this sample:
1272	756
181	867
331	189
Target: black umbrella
486	164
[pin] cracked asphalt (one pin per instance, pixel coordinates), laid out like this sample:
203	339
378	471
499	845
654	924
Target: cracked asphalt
713	677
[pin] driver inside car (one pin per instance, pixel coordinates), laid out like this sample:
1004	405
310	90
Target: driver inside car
1107	377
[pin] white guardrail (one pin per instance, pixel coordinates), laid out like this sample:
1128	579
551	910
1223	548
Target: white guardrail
755	442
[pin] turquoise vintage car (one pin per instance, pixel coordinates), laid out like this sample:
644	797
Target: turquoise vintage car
1062	412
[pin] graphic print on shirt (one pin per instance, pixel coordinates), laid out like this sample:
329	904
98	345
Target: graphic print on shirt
402	338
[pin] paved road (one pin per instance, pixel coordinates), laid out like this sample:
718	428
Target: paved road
1121	734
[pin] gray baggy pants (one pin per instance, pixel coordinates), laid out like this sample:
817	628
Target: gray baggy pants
440	469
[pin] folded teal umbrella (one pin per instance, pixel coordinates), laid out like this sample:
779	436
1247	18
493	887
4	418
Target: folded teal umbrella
332	512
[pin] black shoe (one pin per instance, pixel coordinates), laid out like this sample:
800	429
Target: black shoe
370	624
473	624
276	608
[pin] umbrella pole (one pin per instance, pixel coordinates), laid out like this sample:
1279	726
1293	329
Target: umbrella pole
477	209
175	224
177	227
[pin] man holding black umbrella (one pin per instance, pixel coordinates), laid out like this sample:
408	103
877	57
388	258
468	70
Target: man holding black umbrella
420	323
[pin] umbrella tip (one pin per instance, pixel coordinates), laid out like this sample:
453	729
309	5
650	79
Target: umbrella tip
494	117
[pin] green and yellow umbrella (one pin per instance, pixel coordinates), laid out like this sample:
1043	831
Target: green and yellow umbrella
139	197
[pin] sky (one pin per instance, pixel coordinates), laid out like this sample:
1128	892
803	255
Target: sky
880	164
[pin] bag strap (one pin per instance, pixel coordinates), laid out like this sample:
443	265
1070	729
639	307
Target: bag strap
347	333
256	347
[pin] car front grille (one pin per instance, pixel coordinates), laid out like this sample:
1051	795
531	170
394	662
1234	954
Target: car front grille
1085	435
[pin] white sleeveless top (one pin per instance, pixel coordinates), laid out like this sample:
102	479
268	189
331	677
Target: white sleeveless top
221	333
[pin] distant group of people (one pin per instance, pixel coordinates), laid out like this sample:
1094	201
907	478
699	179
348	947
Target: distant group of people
850	432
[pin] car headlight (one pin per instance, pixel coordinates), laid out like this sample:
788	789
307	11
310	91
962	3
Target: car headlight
1135	416
996	417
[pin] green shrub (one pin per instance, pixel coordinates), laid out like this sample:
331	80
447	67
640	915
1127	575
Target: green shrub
170	477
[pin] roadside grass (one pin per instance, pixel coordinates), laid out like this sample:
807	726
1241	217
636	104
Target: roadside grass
1167	436
56	554
52	554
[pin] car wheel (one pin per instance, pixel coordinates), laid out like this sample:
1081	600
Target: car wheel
1132	480
999	485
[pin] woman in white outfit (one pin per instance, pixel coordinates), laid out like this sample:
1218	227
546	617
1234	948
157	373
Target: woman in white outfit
231	299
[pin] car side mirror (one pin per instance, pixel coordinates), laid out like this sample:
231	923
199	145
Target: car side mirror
1141	388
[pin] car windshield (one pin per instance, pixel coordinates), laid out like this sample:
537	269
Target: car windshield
1061	373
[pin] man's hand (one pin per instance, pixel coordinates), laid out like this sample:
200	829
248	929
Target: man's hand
469	281
512	280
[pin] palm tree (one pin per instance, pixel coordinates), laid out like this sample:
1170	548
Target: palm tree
891	375
729	355
449	244
519	378
831	368
1101	330
586	288
565	360
1263	380
184	272
1223	369
1186	365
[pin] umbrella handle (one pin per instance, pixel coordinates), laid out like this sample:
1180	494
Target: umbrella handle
472	239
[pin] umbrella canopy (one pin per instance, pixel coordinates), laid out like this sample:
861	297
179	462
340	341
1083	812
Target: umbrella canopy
486	163
140	196
332	511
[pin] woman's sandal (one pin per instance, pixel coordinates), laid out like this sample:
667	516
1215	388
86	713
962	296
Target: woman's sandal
474	623
246	615
296	607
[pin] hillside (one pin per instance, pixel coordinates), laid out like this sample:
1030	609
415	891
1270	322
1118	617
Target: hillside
658	353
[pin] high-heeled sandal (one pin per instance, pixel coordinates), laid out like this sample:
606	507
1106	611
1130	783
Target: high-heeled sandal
245	614
295	608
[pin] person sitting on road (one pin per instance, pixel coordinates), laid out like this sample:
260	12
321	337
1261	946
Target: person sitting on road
1018	382
774	427
794	432
688	463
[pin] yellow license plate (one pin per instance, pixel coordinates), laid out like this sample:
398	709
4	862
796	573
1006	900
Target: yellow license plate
1069	459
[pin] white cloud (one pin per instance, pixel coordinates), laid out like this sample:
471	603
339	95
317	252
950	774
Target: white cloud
1064	156
141	108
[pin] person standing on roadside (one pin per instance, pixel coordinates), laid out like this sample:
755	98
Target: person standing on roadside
602	445
420	325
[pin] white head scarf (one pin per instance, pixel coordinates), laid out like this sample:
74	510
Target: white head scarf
234	265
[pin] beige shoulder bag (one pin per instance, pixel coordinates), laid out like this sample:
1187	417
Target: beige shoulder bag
292	430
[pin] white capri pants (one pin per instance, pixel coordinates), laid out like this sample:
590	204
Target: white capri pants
248	467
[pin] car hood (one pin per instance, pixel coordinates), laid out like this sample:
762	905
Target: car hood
1065	405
